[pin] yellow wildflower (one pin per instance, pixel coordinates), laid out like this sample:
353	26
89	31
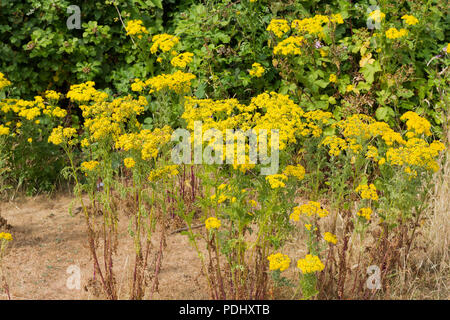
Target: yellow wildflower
129	162
275	180
182	60
365	213
6	236
310	264
333	78
278	261
411	20
257	70
212	223
329	237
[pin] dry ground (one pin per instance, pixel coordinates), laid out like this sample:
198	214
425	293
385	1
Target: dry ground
47	240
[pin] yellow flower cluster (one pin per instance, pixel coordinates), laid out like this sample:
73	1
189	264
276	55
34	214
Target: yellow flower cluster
52	95
60	135
333	78
257	70
309	209
365	213
315	25
276	180
179	82
135	27
367	191
86	92
163	173
182	60
4	130
265	111
310	264
335	144
297	171
377	15
416	123
146	141
6	236
278	27
212	223
329	237
393	33
30	110
411	20
104	120
129	162
290	46
89	165
278	261
3	81
281	113
417	152
165	42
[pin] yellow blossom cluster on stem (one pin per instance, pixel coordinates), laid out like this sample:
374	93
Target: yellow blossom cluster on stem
377	15
104	120
85	92
416	124
393	33
409	19
333	78
290	46
88	166
135	27
179	82
329	237
146	141
416	152
3	81
297	171
278	27
257	70
129	162
276	180
163	173
60	135
315	25
6	236
164	42
52	95
4	130
182	60
309	209
278	261
212	223
368	192
365	213
310	264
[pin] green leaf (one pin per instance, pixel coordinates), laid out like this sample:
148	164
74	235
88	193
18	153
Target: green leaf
369	71
384	113
157	3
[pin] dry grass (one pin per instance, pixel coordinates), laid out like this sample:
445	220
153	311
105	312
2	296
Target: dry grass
426	274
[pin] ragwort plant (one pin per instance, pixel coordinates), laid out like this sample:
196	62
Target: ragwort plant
113	142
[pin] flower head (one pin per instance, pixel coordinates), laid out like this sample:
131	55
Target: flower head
129	162
278	261
411	20
329	237
257	70
310	264
6	236
212	223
